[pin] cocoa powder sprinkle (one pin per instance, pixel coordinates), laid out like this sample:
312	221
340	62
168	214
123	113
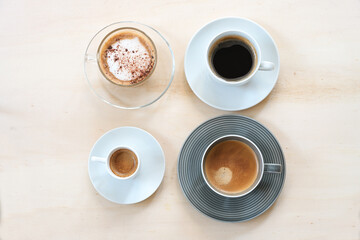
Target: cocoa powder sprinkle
137	63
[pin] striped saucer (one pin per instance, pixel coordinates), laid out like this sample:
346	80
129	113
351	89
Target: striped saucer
202	197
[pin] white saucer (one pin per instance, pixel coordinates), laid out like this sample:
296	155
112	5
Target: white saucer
150	174
217	95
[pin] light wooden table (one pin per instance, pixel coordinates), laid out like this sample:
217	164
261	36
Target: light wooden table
49	121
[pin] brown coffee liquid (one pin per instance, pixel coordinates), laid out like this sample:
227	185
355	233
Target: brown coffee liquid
123	162
231	166
232	57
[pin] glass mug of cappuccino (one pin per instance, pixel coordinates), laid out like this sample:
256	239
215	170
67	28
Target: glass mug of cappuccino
233	58
122	163
127	56
233	166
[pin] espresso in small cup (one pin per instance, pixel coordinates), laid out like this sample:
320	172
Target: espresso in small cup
232	57
123	162
231	167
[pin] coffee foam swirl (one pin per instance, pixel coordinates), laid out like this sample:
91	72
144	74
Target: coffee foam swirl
223	176
128	59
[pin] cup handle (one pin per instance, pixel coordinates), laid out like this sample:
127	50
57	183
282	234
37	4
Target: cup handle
90	58
266	66
272	168
98	159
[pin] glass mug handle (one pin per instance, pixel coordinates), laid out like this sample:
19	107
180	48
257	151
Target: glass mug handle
98	159
90	58
272	168
266	66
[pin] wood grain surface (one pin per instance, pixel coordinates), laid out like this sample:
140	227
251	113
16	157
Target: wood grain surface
49	120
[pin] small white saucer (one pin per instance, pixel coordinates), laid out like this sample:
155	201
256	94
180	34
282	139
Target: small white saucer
217	95
150	174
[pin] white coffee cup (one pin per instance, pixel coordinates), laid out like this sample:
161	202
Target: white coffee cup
262	167
106	161
252	46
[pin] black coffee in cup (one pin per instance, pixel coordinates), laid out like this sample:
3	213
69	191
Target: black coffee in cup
232	57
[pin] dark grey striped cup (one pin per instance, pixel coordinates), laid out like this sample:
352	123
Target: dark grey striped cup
212	204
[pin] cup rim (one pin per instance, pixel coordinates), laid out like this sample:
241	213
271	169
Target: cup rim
108	163
242	34
259	161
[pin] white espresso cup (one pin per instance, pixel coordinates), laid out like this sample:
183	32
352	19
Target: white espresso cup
261	167
250	44
131	157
